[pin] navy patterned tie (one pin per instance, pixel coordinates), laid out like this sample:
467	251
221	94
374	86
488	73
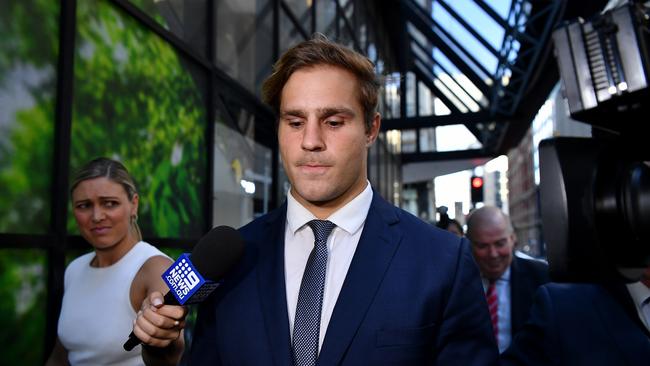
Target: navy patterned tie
306	328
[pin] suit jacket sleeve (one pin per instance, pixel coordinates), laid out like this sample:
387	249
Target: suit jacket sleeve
204	346
466	336
535	343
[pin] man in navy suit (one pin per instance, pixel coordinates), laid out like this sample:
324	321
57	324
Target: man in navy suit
513	278
389	289
586	324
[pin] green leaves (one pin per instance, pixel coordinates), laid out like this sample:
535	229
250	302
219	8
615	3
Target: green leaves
135	100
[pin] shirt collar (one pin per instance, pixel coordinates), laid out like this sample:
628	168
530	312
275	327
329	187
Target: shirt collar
505	277
347	217
639	293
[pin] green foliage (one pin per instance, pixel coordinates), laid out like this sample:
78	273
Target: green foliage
149	7
28	56
22	295
136	101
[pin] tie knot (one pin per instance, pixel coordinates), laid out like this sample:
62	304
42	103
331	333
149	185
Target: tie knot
321	229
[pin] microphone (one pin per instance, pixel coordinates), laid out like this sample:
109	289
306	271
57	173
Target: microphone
192	281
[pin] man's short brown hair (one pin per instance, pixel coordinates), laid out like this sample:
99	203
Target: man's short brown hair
321	51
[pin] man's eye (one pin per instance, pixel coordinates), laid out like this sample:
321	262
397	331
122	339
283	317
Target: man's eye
334	123
294	123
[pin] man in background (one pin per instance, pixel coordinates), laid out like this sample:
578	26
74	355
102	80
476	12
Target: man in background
509	279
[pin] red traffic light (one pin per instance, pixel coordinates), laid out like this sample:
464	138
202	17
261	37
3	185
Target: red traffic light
477	182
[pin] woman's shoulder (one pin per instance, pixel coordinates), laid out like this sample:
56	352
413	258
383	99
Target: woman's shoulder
147	250
80	262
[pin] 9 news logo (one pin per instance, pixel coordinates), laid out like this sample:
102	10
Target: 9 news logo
183	279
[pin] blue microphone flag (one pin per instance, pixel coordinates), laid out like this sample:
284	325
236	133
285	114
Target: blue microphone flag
186	283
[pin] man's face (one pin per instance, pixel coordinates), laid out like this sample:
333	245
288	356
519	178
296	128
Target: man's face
492	246
323	139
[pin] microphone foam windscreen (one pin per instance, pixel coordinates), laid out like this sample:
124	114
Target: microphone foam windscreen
217	252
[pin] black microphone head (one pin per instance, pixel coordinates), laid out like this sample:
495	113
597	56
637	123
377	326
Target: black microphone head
217	252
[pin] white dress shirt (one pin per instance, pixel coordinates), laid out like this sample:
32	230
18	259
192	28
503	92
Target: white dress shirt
341	245
640	294
503	295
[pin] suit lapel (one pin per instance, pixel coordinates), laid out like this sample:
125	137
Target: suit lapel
373	255
272	288
515	295
623	326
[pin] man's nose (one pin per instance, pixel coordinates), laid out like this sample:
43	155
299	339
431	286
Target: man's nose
312	139
493	252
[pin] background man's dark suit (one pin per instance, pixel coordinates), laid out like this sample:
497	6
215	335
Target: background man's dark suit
412	296
581	324
526	275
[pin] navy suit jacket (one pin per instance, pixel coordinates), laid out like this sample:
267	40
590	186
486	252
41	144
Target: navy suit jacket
581	324
526	275
412	296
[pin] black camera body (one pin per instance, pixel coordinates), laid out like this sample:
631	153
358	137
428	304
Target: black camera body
595	192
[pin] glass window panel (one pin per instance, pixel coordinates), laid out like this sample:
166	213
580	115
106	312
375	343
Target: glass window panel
428	139
442	87
345	37
483	24
394	141
410	94
439	108
392	93
417	35
409	141
372	54
325	16
425	100
242	177
23	289
454	86
302	10
363	37
186	19
460	78
471	44
244	40
289	35
362	26
480	72
28	61
422	56
373	166
455	137
348	10
138	101
501	7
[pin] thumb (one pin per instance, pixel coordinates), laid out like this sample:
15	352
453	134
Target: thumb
156	299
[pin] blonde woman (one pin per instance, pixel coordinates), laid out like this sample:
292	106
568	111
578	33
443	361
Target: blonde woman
106	289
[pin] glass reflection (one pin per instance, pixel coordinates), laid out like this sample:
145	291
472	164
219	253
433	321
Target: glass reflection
242	178
137	101
244	43
23	279
28	59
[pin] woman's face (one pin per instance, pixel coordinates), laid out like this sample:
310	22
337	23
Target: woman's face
103	212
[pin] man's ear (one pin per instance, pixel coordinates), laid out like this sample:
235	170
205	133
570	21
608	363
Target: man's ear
371	136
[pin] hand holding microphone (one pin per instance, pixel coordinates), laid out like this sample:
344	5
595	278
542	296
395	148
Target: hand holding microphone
190	279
